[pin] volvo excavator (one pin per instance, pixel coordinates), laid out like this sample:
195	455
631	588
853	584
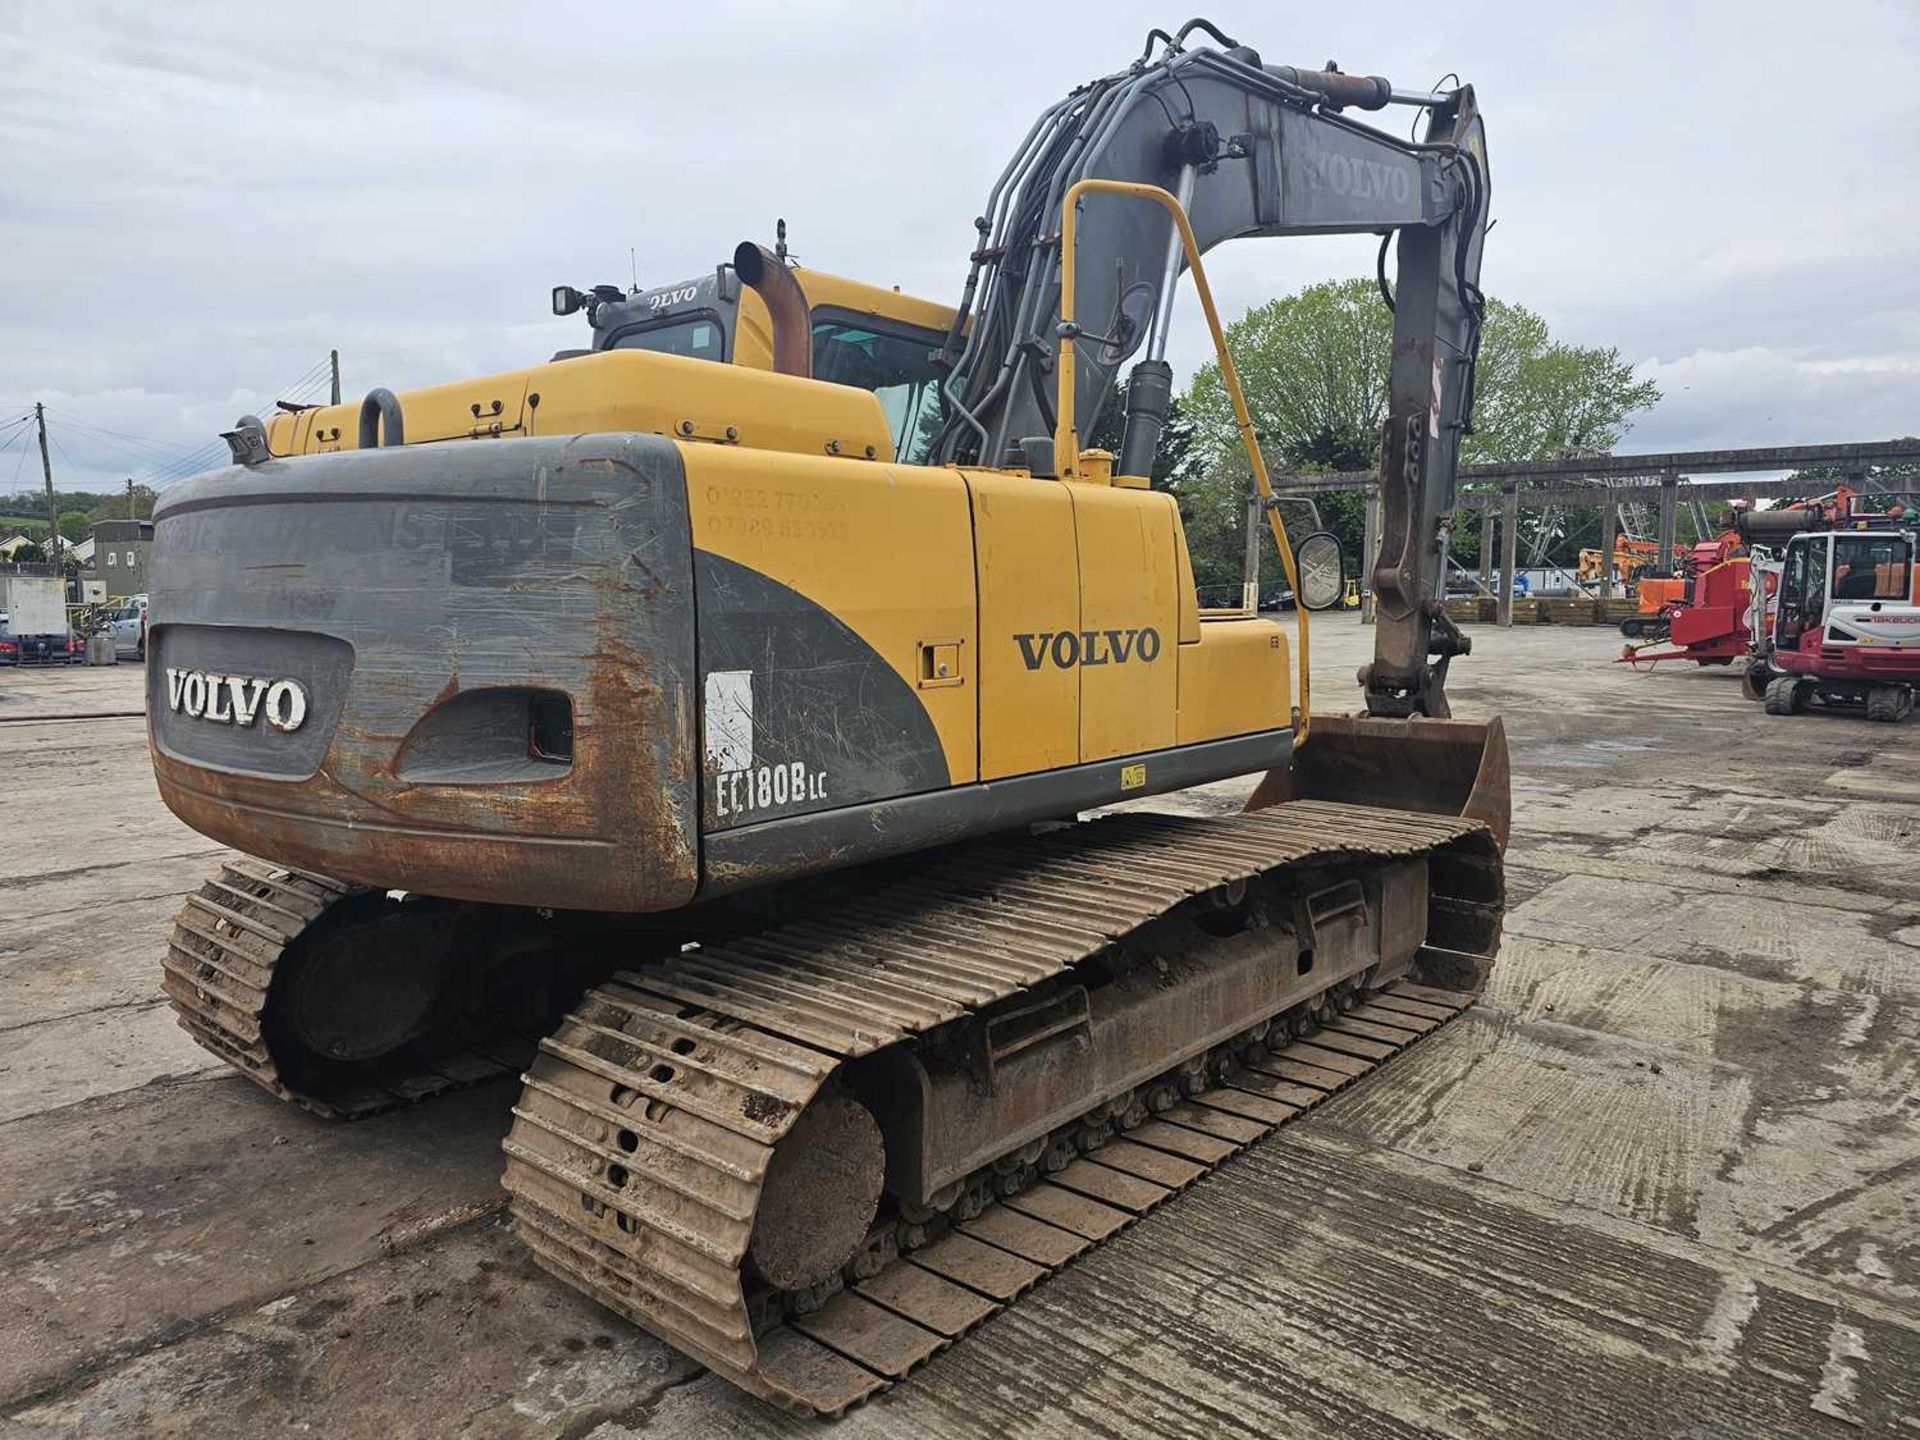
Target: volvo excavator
704	725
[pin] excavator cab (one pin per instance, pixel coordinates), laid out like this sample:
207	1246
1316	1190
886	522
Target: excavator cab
866	336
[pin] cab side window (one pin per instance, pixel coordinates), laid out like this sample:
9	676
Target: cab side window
698	337
895	362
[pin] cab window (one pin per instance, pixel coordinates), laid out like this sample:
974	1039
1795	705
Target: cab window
697	336
1870	567
895	362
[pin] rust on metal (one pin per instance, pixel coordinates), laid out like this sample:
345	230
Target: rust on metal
1437	767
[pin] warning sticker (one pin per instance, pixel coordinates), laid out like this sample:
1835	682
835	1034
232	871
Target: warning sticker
1433	401
729	719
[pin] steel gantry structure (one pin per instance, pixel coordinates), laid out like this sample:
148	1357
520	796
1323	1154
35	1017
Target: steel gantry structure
1609	481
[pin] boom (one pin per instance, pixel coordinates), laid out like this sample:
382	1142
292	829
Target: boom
1250	150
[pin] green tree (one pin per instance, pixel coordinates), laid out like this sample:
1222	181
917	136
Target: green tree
114	506
1314	368
29	555
73	526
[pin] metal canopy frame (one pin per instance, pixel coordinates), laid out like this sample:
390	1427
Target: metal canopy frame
1608	481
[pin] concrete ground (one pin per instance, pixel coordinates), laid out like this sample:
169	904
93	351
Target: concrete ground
1664	1181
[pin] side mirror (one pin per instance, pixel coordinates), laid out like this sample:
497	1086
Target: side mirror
567	300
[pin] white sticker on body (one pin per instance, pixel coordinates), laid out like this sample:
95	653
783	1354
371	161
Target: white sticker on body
729	719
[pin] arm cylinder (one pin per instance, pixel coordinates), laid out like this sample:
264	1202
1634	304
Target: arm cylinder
1362	92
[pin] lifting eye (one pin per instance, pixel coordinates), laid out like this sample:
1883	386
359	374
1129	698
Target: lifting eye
550	728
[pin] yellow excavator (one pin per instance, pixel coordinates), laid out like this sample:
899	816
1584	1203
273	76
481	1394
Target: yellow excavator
700	724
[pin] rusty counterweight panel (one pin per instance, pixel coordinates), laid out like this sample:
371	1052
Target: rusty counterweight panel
465	670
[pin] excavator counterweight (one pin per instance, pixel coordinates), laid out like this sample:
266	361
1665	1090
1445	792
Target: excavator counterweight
703	724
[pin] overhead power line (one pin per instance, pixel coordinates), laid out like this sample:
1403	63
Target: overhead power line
156	462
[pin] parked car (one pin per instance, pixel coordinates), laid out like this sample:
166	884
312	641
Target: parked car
128	626
38	649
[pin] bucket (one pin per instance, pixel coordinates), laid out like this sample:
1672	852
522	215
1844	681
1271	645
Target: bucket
1437	767
100	650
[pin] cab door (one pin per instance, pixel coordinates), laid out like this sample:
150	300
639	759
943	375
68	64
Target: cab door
1803	580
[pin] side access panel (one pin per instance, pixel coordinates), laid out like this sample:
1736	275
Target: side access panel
836	633
1129	621
1029	577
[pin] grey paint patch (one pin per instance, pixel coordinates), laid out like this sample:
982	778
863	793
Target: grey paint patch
830	723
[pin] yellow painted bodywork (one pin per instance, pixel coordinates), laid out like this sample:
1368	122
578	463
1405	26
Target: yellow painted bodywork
973	585
631	390
886	549
999	577
1071	460
1233	680
1028	574
610	393
1127	570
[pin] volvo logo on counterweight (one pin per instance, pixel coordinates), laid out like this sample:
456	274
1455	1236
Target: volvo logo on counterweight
1066	649
236	699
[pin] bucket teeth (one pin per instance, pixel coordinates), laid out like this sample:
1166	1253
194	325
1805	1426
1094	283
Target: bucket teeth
650	1120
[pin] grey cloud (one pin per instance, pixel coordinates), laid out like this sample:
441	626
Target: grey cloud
200	200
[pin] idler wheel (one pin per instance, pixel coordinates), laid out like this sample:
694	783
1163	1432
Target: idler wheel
822	1189
354	993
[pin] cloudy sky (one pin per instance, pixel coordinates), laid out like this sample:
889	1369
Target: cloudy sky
197	201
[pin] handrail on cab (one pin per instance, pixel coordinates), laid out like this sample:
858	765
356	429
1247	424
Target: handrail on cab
1066	435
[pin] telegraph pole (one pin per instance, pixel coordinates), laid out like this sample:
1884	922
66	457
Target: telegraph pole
130	514
46	469
334	357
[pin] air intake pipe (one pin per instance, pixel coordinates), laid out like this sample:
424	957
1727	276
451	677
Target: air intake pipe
767	274
1149	402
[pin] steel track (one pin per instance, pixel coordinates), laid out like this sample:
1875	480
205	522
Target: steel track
647	1123
227	940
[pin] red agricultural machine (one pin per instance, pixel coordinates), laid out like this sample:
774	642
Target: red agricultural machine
1707	621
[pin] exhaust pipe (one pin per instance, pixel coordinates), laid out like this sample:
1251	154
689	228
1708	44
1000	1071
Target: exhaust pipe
767	274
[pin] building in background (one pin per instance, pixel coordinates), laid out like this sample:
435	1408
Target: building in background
120	553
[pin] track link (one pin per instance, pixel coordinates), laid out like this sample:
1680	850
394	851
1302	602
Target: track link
228	941
649	1119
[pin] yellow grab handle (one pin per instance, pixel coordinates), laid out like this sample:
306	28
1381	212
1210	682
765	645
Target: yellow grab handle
1066	436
